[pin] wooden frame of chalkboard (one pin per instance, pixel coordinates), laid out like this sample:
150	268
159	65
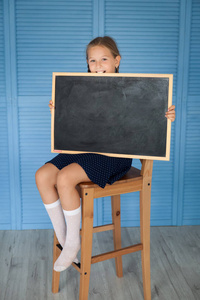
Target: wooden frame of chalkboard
113	114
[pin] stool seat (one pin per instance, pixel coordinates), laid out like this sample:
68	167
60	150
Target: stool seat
131	175
134	180
131	182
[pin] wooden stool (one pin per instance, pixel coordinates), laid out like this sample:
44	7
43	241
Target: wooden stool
135	180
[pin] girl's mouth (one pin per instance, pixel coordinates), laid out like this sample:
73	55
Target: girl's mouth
100	71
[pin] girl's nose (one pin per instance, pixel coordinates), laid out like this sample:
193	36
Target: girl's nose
98	65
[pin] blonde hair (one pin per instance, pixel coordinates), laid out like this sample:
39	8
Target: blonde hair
107	42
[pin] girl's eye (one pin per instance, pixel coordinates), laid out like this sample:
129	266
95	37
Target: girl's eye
104	59
92	60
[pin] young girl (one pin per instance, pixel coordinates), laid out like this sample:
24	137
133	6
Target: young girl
65	171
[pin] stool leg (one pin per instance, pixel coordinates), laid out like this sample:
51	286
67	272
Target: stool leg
145	203
115	202
86	242
55	275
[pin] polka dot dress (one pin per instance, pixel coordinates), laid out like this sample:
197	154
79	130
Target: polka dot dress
100	169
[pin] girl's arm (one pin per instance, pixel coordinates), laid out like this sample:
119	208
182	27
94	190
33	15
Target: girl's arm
170	114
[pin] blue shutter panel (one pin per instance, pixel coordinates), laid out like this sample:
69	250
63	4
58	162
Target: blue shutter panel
5	222
147	34
2	57
191	201
51	37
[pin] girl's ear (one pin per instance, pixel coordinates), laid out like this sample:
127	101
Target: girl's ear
117	60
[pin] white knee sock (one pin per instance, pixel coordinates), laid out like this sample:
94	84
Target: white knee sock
56	215
57	218
72	243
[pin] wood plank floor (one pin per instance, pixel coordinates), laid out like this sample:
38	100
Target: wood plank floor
26	266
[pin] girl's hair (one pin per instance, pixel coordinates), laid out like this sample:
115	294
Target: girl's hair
107	42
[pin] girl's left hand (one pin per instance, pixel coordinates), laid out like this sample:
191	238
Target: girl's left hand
170	114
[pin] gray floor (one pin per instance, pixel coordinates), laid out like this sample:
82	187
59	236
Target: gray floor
26	266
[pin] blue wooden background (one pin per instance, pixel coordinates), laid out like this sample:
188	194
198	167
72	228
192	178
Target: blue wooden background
38	37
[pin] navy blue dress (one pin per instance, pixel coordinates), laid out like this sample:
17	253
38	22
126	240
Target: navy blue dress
100	169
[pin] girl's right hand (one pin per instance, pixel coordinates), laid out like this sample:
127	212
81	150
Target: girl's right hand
51	105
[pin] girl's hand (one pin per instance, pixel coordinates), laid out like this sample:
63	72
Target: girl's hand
51	105
170	114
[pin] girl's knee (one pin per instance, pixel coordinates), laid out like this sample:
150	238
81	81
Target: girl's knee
42	176
39	176
65	179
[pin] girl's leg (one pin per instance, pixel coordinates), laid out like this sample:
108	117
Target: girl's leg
46	178
67	180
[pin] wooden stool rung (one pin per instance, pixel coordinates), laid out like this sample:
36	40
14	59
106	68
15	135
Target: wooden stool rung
101	228
77	267
116	253
111	254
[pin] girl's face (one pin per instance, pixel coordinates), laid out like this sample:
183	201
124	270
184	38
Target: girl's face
101	60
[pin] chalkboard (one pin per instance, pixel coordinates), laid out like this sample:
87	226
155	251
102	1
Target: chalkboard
112	114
